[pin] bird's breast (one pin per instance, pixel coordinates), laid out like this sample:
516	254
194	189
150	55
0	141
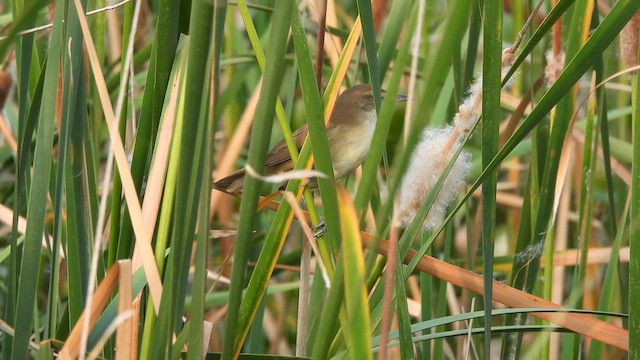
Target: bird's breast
350	145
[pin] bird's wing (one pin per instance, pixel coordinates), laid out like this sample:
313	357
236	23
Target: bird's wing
280	152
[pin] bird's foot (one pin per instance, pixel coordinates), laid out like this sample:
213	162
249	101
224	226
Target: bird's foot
320	229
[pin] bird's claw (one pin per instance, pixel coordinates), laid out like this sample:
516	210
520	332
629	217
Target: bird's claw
320	229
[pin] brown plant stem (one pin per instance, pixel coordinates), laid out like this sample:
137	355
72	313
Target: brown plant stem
583	324
391	254
322	22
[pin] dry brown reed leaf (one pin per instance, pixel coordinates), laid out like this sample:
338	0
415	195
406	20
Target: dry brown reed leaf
101	297
157	173
583	324
124	340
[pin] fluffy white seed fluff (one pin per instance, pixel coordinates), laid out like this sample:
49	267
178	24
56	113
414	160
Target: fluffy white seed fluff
555	65
428	162
433	153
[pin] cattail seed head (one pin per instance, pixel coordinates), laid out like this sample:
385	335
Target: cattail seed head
629	41
428	162
555	65
433	153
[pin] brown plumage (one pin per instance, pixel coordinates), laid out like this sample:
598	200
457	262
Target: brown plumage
349	131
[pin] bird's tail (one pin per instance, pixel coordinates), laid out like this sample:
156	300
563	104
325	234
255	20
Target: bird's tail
231	184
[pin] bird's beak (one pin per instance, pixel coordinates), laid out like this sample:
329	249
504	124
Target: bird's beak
401	98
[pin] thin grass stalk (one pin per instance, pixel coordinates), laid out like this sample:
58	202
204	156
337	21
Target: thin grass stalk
613	222
491	116
527	217
318	140
404	321
550	274
587	192
415	56
369	39
322	23
54	290
219	17
327	326
131	13
260	57
97	26
475	26
194	143
23	179
80	223
607	156
198	345
547	287
559	242
426	302
25	58
166	212
257	153
440	309
426	285
357	329
116	187
110	116
38	192
266	261
577	31
388	298
144	239
304	296
610	293
160	64
70	172
391	34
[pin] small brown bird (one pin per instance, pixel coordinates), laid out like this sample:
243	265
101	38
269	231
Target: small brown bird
349	131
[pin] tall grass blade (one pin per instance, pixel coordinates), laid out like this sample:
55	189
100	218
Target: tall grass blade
491	115
257	153
38	192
